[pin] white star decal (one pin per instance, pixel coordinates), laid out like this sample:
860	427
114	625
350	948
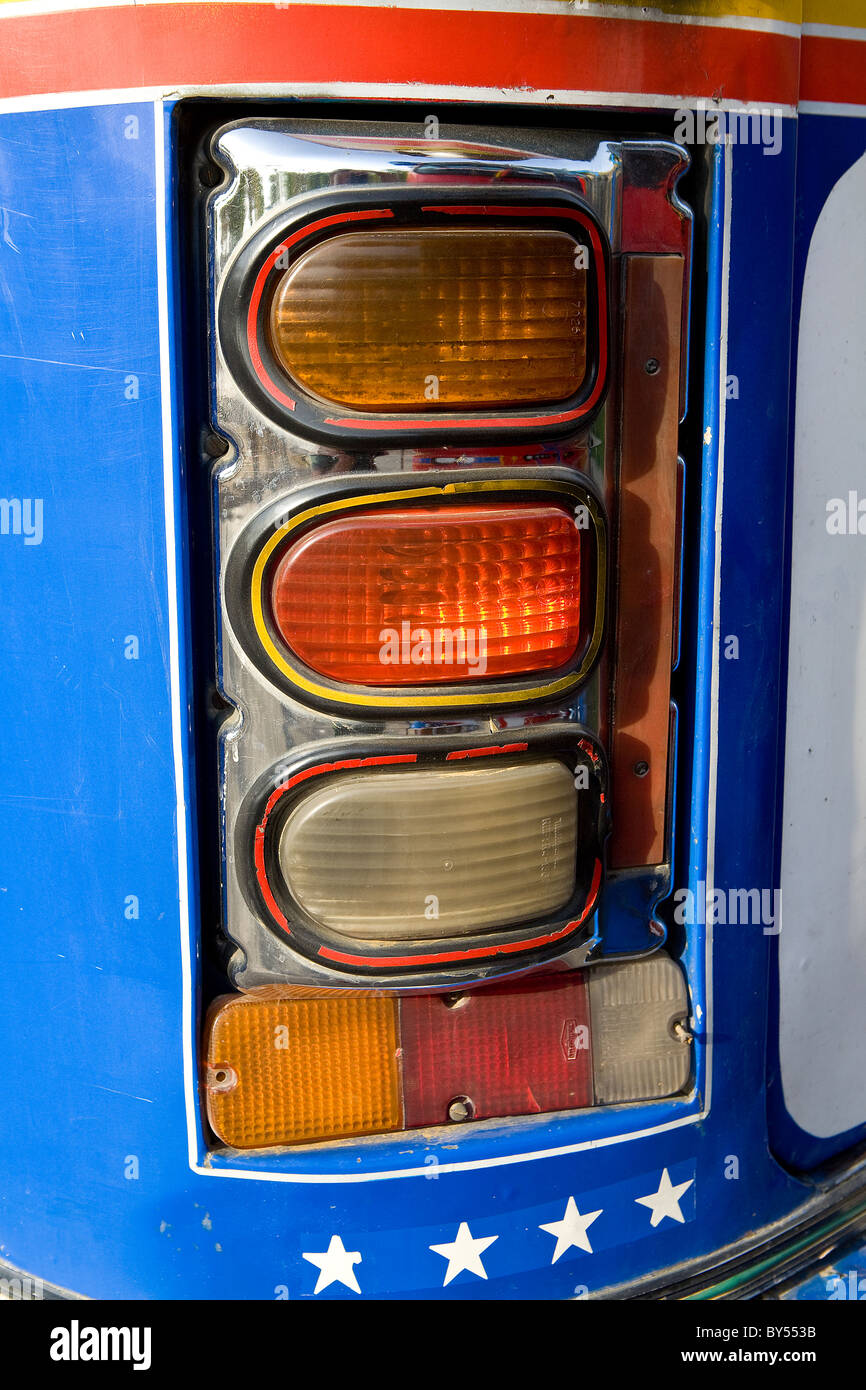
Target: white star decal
571	1230
464	1253
335	1266
665	1202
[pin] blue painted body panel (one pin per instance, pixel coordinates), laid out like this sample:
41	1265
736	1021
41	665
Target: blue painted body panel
97	1191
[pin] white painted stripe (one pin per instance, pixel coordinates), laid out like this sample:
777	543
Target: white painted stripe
717	608
568	9
502	1161
506	1160
373	91
71	101
834	31
831	108
178	722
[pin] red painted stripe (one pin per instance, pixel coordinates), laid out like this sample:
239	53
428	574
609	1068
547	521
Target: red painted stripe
485	752
833	70
261	874
333	767
206	45
280	791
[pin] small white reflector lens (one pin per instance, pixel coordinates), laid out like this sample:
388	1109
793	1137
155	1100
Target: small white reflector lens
433	852
638	1053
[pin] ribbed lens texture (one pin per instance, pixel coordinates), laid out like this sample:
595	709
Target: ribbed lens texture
427	320
422	853
510	1050
431	595
304	1069
636	1055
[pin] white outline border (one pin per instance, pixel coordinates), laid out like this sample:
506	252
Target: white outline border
572	97
169	473
712	769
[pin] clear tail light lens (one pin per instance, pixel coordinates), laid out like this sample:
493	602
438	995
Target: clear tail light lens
418	853
638	1051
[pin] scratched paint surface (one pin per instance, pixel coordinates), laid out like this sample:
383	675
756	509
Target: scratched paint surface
86	788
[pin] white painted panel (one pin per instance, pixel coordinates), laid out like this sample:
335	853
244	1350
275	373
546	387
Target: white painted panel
823	939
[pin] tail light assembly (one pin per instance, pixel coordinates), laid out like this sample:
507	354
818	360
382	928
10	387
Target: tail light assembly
448	376
329	1064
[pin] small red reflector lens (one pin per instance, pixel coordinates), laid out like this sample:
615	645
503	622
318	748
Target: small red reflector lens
432	595
516	1049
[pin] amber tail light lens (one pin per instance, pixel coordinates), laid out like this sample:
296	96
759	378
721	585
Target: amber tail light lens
427	319
285	1071
433	595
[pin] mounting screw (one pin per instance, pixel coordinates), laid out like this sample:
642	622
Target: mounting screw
641	769
221	1078
461	1108
651	366
214	445
681	1032
210	175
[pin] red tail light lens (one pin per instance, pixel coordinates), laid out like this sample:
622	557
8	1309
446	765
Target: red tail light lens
509	1050
433	595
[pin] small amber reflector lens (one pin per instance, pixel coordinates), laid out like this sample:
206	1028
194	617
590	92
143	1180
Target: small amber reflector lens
289	1071
427	596
429	320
